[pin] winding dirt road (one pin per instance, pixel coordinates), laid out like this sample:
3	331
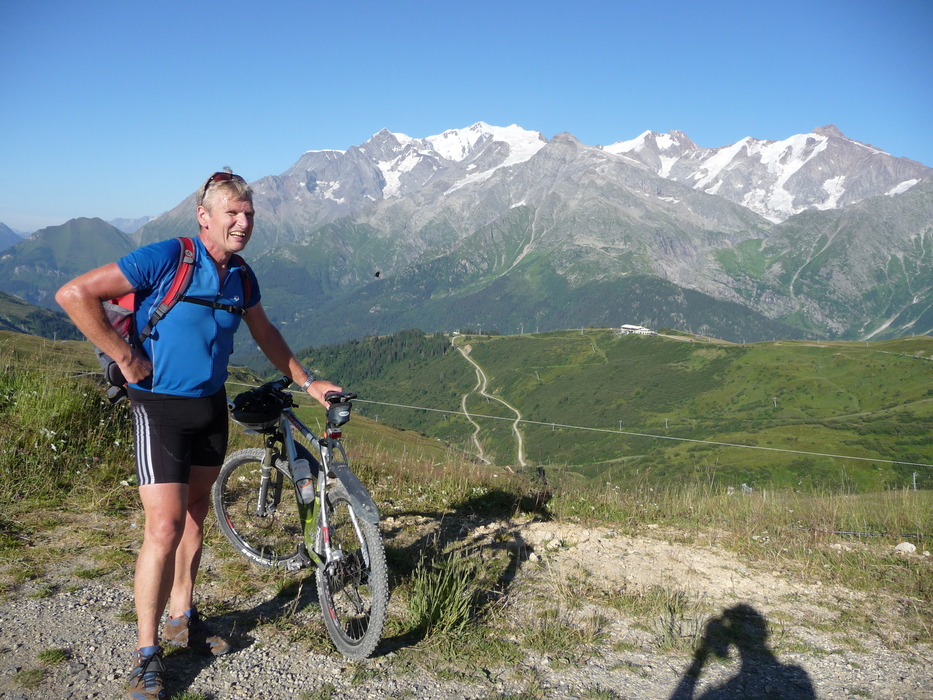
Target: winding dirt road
482	382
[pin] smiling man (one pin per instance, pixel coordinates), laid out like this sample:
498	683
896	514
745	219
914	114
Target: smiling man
176	388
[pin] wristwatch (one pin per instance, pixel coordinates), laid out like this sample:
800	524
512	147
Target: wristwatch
311	378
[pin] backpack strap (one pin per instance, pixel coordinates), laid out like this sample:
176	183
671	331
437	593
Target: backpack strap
244	283
177	288
244	279
238	310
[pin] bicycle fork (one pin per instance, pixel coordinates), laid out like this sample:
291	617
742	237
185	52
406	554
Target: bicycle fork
265	506
335	557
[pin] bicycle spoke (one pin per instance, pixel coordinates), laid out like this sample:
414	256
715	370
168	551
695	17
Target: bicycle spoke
354	596
268	533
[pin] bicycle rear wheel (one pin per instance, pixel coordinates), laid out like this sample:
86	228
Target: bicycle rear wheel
354	590
267	533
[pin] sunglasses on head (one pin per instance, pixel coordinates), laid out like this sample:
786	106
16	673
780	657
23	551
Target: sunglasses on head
222	176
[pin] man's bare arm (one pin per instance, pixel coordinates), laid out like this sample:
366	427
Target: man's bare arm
273	346
82	299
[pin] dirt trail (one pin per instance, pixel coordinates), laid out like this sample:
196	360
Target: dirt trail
481	383
771	631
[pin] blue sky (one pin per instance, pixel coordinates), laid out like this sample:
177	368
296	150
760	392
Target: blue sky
121	109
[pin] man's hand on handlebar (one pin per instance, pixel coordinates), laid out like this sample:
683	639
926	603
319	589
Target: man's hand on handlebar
319	388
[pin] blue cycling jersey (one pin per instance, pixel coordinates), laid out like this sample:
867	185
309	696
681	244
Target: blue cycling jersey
191	346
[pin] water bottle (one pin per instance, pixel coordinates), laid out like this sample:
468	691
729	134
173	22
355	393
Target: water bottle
301	473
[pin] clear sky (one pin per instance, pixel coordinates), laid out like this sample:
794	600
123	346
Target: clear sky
115	108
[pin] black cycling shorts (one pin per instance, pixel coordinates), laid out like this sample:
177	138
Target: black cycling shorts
174	432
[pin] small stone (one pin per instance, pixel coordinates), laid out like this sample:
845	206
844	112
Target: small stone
906	548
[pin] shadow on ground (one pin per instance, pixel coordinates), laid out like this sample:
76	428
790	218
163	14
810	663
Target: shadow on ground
759	675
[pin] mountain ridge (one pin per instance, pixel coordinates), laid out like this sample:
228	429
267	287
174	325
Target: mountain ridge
486	211
799	185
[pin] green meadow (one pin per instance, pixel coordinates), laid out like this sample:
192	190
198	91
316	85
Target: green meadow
67	485
843	416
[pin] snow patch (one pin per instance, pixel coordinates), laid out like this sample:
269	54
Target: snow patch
835	188
329	190
622	147
392	171
664	141
331	152
901	188
666	164
715	164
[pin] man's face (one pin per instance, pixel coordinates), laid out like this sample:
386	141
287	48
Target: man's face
226	229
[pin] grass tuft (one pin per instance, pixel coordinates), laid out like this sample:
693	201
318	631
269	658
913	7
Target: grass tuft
442	594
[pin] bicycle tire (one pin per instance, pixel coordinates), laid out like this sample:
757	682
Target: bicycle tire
353	592
271	539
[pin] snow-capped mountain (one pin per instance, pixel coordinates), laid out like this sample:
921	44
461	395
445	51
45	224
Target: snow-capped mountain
325	185
481	150
777	179
482	218
774	179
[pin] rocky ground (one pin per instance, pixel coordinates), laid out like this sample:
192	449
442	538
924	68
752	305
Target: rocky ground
762	632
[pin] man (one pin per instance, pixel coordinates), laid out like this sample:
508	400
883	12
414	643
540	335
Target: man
176	389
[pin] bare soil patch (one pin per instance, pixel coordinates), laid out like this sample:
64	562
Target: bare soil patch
769	630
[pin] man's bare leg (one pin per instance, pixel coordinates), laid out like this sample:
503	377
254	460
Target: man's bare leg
188	554
165	506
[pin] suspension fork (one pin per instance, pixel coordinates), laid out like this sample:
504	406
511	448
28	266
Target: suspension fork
332	555
321	498
265	480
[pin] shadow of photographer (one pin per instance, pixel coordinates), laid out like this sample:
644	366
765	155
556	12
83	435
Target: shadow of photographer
760	675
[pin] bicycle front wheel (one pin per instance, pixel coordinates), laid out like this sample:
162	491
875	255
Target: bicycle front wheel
266	531
353	589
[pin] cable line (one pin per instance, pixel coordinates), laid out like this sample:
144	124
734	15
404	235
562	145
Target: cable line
657	437
613	431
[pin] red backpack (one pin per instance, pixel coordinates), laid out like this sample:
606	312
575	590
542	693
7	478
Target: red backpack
121	312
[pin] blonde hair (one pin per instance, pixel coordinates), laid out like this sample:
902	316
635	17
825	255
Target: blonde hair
223	181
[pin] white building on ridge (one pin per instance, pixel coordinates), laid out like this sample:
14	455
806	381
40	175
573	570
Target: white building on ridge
637	330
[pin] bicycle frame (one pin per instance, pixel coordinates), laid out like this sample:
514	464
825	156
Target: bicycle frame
338	529
330	468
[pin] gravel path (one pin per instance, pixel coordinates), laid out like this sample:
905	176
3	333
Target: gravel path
802	657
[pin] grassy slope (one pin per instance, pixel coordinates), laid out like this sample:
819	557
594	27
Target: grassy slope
70	517
868	400
60	356
783	399
19	316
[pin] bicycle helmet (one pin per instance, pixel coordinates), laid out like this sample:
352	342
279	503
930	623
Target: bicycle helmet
257	410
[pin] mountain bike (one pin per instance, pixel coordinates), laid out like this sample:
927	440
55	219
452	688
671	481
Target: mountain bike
282	508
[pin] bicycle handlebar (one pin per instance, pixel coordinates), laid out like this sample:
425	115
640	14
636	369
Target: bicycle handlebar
276	388
335	397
